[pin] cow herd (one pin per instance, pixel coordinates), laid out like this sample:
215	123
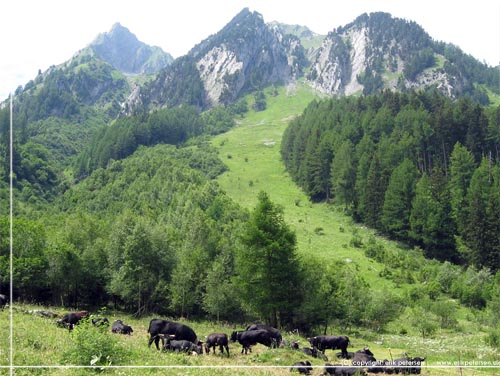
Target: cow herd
180	338
70	319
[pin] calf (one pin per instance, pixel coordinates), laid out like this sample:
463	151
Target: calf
158	328
217	339
407	365
3	301
363	358
70	319
380	366
100	321
330	342
314	353
341	370
302	367
249	338
120	328
182	346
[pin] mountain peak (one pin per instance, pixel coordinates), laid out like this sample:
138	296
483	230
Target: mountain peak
125	52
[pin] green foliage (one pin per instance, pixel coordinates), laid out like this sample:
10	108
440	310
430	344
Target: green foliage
363	142
93	346
267	268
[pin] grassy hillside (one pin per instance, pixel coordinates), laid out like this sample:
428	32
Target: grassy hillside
39	343
252	153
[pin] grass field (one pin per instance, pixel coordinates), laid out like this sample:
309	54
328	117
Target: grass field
39	342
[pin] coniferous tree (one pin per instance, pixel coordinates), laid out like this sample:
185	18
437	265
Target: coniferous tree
374	194
461	170
397	200
267	267
343	174
481	220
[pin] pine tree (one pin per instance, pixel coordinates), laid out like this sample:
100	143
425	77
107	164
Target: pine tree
374	194
343	174
461	170
481	220
267	267
398	198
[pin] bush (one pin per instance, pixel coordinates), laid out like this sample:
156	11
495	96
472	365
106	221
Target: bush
493	339
93	346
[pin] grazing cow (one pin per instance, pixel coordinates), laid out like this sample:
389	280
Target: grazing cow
275	333
70	319
120	328
302	367
407	365
363	358
3	301
100	321
249	338
181	346
217	339
330	342
170	328
341	370
314	353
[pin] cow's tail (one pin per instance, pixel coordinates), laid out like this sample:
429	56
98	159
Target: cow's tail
348	341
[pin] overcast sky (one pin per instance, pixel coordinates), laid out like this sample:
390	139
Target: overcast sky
36	34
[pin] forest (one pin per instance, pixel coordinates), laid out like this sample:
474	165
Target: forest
418	167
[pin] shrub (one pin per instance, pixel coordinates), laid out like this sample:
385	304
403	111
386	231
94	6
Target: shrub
493	339
93	346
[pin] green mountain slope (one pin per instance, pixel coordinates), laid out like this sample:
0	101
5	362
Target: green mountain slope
252	153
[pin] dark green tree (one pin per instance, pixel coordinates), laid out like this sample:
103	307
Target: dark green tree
267	267
461	170
481	220
343	174
373	199
398	199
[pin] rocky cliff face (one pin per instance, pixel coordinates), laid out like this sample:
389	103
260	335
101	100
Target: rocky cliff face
244	56
120	48
375	52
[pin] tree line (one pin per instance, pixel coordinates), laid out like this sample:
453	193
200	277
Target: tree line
418	167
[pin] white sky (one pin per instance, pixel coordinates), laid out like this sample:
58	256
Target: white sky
35	34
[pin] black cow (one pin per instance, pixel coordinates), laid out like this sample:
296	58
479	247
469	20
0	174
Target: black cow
70	319
341	370
120	328
302	367
407	365
100	321
314	353
3	301
275	333
217	339
249	338
330	342
170	328
380	366
363	358
339	355
181	346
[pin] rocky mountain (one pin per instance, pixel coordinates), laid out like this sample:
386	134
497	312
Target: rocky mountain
377	51
245	56
374	52
120	48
